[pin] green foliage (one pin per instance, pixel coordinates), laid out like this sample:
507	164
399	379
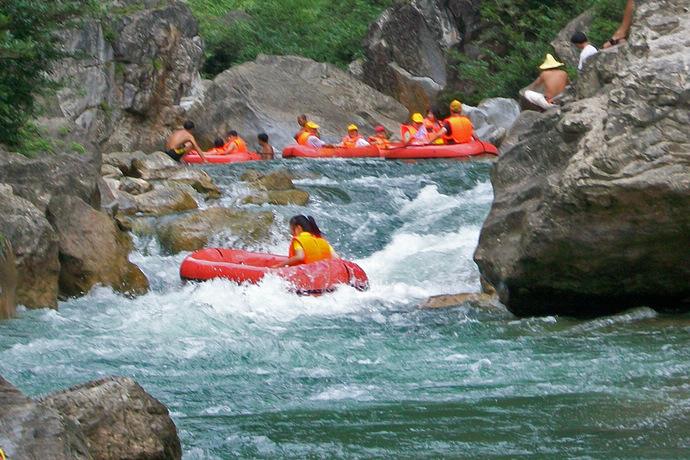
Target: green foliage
323	30
517	41
28	46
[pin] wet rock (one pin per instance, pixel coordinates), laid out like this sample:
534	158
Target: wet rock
35	247
92	250
277	180
244	98
472	300
274	188
590	211
199	180
119	419
8	279
134	186
195	230
110	171
160	201
32	431
123	160
156	166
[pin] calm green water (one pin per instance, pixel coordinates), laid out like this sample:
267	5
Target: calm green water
258	372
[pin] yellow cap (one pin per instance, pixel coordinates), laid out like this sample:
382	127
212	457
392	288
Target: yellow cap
550	63
312	125
352	128
418	118
456	106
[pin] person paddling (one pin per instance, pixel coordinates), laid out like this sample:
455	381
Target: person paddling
235	144
457	129
182	141
308	244
353	138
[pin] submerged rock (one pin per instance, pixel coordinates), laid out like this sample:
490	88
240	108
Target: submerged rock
473	300
119	420
92	250
8	279
194	231
274	188
591	205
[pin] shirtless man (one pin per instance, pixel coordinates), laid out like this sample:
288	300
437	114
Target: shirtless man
552	78
182	141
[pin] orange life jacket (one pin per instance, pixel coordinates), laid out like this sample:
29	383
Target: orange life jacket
379	142
407	132
461	130
241	145
315	248
303	137
433	127
351	143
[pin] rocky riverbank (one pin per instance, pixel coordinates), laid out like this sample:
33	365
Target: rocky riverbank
591	201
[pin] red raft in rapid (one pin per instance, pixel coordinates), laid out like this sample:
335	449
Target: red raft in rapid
303	151
251	267
195	158
420	152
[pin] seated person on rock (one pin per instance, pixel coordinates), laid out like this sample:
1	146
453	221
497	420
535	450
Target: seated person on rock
310	137
380	139
308	244
218	147
433	127
265	149
620	36
416	133
235	144
302	122
457	128
181	142
353	138
579	39
553	79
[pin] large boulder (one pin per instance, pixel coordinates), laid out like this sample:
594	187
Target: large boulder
164	199
274	188
119	420
33	431
92	250
8	279
35	247
195	230
591	206
268	94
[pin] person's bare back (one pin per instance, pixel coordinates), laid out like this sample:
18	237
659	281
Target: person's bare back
554	82
179	139
182	141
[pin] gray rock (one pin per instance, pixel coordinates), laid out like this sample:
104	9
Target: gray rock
500	112
156	166
195	230
8	278
522	125
565	50
134	186
92	250
119	420
274	188
123	160
591	205
32	431
35	247
110	171
473	300
199	180
245	98
162	200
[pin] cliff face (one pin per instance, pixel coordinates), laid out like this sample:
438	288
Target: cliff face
591	211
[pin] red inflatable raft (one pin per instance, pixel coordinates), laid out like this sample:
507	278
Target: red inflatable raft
418	152
194	158
250	267
303	151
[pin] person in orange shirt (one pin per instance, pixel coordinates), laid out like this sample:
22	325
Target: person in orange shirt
353	138
457	129
218	147
433	127
302	122
308	244
380	139
235	144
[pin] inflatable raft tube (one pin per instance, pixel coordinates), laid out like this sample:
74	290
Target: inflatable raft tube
194	158
420	152
303	151
251	267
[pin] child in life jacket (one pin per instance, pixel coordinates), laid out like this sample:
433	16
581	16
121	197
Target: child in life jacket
307	245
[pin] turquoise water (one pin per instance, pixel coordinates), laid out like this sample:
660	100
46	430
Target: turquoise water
258	372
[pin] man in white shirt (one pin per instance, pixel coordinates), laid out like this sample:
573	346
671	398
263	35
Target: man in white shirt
579	39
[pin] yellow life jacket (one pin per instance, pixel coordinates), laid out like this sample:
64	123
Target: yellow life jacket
303	138
314	247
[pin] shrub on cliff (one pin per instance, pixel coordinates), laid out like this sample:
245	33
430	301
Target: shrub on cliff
28	46
237	31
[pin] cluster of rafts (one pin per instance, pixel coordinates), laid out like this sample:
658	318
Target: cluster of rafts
318	277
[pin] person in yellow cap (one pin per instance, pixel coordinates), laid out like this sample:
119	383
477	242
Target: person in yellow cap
553	79
457	129
310	137
416	133
353	138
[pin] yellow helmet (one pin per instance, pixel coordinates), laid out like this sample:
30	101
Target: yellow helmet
352	128
418	118
456	106
312	125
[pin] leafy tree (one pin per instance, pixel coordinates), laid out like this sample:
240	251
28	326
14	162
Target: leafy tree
28	47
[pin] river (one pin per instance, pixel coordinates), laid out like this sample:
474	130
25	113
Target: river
258	372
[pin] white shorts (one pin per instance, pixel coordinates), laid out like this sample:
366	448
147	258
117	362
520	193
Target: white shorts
538	99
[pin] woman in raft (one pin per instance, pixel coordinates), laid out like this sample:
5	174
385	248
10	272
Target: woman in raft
307	245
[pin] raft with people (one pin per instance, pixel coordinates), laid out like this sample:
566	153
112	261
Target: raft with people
474	148
193	157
